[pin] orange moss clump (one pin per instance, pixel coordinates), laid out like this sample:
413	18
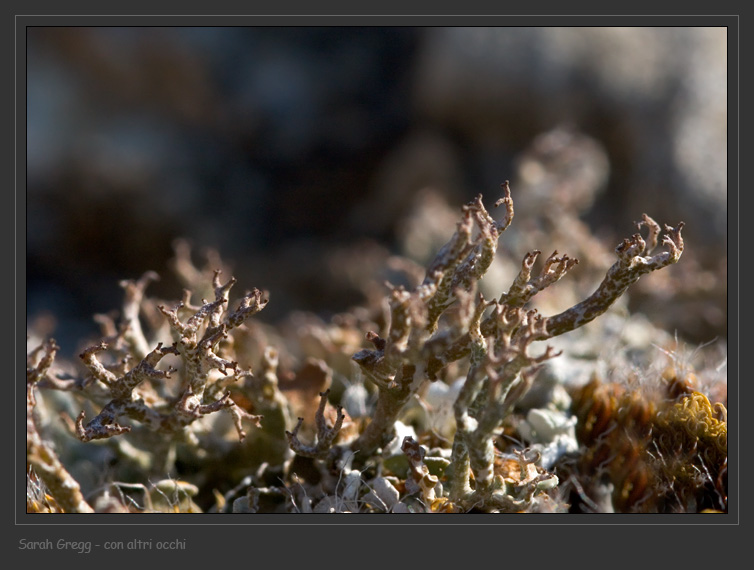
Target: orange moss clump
663	451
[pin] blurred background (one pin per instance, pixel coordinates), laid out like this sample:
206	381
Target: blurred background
306	156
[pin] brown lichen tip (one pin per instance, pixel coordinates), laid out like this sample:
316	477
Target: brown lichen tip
374	338
325	434
420	480
508	202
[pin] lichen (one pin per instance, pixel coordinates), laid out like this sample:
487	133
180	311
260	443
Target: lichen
161	374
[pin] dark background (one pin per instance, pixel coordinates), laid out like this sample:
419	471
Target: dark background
279	146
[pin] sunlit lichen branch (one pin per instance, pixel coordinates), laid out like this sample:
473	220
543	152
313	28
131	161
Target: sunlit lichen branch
197	352
325	434
420	481
132	331
40	455
498	364
398	364
631	265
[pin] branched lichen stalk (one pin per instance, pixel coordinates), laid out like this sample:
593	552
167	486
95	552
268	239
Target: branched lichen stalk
133	333
626	271
398	365
39	454
196	342
325	434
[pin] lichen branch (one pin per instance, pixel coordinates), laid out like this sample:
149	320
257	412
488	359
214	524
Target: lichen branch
325	434
39	454
631	265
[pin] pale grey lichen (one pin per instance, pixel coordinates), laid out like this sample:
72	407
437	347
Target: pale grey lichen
416	422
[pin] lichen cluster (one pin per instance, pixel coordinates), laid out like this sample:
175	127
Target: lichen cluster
410	405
